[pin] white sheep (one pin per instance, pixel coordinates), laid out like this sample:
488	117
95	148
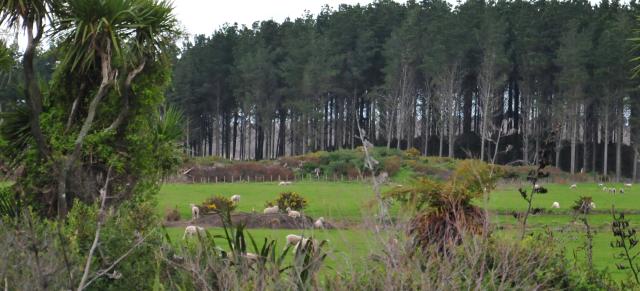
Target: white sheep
195	212
605	189
293	213
592	205
271	210
627	185
573	186
284	183
536	186
600	184
612	190
555	205
319	223
292	240
235	199
191	230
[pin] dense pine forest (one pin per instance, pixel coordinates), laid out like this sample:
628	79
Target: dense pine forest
456	81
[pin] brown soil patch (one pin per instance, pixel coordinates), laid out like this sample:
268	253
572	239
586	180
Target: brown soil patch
252	220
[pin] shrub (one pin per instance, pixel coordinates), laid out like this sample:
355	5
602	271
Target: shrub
218	204
412	153
392	165
172	214
289	199
450	214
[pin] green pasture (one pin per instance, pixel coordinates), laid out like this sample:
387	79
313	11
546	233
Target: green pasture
347	202
507	198
335	200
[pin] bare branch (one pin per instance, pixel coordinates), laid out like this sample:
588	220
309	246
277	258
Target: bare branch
100	221
125	97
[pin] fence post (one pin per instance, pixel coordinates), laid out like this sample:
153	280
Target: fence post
278	177
231	178
224	178
216	179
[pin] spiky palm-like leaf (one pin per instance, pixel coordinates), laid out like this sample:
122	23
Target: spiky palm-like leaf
170	125
15	129
91	27
20	12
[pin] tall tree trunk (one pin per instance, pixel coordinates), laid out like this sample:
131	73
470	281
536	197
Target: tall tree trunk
619	133
605	170
574	137
635	164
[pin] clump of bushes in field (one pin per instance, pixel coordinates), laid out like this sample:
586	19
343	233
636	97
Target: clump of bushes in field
291	200
218	204
412	153
172	214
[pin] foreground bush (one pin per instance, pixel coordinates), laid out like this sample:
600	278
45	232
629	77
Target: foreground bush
51	255
475	264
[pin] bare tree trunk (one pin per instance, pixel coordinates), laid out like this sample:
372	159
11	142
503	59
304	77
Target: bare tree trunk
574	137
619	133
635	164
606	142
108	76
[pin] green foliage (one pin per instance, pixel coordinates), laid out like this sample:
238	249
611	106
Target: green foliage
291	200
445	212
218	204
412	153
9	206
133	222
626	240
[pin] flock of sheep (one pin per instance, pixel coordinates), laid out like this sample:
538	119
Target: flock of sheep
292	239
611	190
297	240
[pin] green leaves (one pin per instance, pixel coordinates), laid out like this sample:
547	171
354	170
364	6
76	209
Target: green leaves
132	29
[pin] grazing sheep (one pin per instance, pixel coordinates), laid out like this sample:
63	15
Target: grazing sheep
292	239
536	186
600	185
612	190
555	205
293	213
627	185
284	183
235	199
191	230
319	223
195	212
621	190
573	186
605	189
592	205
271	210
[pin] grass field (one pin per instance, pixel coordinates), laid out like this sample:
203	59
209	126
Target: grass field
345	201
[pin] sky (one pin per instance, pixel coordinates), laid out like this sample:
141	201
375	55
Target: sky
205	16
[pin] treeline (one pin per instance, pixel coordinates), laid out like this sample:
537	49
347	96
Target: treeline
449	81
